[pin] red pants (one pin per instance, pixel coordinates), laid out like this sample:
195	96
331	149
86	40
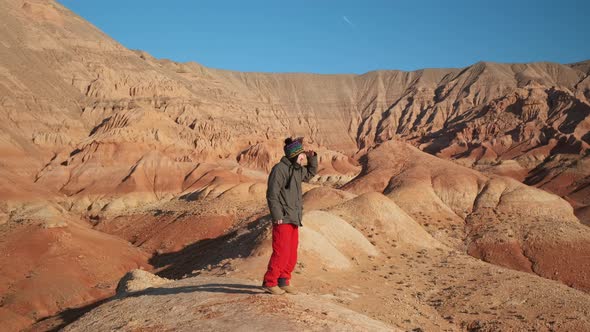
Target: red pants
285	238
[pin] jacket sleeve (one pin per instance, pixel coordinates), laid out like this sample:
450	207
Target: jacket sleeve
276	180
311	169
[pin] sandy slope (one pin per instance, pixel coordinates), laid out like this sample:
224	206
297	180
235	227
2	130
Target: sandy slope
214	304
50	265
102	146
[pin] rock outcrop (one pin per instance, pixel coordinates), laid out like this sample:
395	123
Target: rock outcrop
495	218
213	304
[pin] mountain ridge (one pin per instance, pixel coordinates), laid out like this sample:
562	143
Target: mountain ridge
159	159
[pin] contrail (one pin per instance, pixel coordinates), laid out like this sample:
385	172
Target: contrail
348	21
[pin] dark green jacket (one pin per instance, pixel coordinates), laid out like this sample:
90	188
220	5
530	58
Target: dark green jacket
284	194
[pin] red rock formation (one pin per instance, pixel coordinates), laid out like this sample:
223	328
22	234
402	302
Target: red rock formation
101	132
493	218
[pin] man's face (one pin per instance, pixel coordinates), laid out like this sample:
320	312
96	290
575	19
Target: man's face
301	158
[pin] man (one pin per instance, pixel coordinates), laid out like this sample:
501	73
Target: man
285	201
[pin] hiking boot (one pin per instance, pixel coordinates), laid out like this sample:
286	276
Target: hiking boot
289	289
274	290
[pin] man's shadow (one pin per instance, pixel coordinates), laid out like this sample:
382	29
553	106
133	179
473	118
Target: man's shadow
210	288
209	252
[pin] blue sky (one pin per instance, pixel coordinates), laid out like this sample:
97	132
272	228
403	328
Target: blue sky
325	36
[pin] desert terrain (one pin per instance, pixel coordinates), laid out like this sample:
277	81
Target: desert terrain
132	191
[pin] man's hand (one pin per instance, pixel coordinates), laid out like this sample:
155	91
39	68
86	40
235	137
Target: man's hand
277	222
310	153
